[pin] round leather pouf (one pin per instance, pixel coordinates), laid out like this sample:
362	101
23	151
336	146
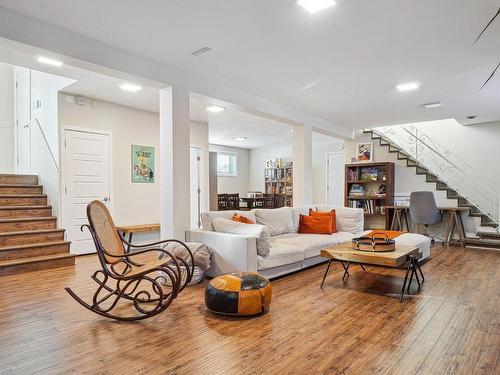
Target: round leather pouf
239	293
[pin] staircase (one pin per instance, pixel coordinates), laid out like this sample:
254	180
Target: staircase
29	238
483	238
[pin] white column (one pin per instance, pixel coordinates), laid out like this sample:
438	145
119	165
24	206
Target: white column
302	165
174	162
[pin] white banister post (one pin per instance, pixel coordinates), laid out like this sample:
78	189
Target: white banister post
174	162
302	165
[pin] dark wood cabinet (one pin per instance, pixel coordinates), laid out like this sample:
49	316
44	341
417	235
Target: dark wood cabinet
370	186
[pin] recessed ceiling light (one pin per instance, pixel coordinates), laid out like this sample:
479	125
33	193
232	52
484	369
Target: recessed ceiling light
292	130
47	61
214	108
313	6
201	51
130	87
433	105
408	86
239	139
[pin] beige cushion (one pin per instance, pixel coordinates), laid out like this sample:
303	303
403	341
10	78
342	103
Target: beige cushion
348	219
278	220
260	232
311	244
280	254
208	217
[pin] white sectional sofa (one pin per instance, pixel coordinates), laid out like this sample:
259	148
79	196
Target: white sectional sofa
290	251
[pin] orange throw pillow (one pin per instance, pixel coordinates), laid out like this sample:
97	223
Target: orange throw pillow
315	224
242	219
327	213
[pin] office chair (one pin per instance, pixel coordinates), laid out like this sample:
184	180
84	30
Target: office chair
423	210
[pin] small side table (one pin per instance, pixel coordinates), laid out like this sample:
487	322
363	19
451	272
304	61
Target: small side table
131	229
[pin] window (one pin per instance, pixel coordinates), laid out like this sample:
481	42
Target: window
227	164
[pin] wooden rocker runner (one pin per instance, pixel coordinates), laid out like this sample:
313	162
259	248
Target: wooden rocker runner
146	287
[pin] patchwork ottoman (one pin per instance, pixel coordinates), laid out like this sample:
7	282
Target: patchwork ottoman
239	294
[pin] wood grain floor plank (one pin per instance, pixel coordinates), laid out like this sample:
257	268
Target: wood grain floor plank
451	325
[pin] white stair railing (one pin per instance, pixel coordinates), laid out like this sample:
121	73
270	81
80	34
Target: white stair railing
458	174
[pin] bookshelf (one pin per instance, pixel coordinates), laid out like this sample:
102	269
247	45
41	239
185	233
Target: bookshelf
280	181
364	188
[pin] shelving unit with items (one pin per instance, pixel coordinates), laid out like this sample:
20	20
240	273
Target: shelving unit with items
370	186
279	180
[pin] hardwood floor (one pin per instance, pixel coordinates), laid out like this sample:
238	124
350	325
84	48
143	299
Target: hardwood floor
359	327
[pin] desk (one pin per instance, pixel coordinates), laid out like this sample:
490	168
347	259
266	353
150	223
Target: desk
454	225
131	229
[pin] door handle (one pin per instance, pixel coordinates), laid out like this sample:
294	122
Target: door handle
105	199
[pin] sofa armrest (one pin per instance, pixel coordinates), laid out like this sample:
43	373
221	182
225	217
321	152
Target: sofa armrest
232	252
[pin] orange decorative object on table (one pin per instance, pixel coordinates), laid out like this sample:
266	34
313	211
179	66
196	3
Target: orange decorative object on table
315	224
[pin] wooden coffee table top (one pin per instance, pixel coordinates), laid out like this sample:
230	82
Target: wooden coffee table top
344	252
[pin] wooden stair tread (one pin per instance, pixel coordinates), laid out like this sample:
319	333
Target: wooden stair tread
39	207
37	259
21	185
488	234
30	245
27	219
34	231
23	196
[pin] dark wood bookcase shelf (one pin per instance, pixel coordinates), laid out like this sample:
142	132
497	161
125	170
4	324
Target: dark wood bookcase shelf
366	179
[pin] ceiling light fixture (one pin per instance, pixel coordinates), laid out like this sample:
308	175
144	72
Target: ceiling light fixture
239	139
48	61
313	6
433	105
130	87
471	117
408	86
214	108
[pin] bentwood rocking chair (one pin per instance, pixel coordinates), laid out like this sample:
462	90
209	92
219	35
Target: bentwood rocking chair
126	282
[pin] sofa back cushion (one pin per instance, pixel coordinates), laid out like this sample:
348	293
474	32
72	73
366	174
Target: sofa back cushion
348	219
296	212
208	217
278	220
260	232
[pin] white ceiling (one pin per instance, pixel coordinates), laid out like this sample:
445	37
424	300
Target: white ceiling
224	126
342	63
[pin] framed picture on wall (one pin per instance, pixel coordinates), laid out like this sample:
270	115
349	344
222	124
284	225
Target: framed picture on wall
143	164
364	152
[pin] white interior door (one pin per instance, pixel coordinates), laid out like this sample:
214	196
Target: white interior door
195	190
87	178
335	179
23	117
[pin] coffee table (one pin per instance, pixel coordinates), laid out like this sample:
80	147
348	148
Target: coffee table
403	256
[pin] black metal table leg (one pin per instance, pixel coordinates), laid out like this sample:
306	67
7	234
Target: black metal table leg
346	270
326	272
404	282
361	265
415	266
130	241
420	270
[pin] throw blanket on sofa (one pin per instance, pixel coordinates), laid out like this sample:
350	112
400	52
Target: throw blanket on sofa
391	234
201	253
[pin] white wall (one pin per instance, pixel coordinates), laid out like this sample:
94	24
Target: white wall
320	148
238	184
44	108
199	138
319	151
7	161
257	163
132	203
